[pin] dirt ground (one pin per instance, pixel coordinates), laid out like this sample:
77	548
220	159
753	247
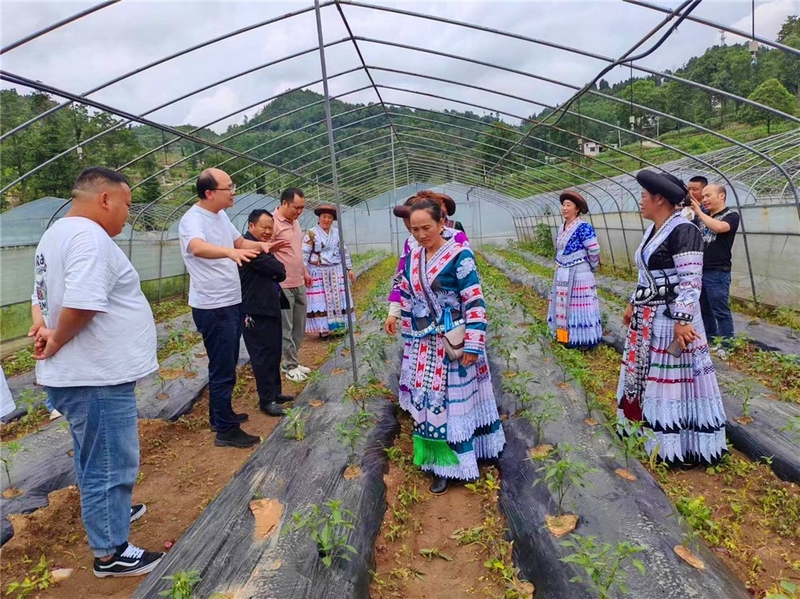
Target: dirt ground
756	518
181	472
438	546
747	515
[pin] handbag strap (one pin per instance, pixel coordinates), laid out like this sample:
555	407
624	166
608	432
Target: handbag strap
431	304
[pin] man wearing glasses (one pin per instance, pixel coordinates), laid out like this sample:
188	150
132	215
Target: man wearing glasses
287	229
213	249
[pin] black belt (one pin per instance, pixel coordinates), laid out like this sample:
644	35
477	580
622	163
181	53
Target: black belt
660	295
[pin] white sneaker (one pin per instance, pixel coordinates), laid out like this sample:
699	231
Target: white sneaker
303	369
55	414
295	375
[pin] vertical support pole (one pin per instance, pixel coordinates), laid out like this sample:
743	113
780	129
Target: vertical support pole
160	263
480	222
395	238
336	194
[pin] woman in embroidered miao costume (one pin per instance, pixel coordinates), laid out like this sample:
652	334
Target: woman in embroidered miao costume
448	207
327	306
574	314
451	402
676	399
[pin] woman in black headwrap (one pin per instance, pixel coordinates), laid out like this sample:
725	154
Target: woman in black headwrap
667	381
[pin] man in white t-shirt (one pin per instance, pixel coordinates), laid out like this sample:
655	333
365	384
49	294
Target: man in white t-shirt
213	249
94	337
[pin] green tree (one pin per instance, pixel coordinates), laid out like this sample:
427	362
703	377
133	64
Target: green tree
770	93
495	143
790	27
788	65
643	92
679	99
150	190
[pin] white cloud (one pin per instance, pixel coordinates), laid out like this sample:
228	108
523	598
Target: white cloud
768	19
222	101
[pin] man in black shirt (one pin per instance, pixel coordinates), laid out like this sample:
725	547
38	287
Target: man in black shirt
262	300
719	225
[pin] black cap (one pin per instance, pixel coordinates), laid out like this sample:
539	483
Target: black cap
661	185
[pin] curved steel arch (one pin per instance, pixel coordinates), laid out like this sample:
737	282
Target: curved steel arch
247	129
274	168
677	150
57	25
715	25
248	107
25	82
160	61
655	112
600	176
416	137
124	123
612	166
416	160
593	55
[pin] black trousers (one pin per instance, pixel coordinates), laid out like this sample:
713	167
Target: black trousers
221	330
262	337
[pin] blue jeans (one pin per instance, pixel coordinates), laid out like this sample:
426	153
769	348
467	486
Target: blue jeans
221	329
105	438
714	304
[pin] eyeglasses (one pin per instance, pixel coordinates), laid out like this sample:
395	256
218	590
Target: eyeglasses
231	189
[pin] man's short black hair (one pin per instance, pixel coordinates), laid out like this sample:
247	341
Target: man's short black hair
287	197
91	176
205	182
256	215
699	179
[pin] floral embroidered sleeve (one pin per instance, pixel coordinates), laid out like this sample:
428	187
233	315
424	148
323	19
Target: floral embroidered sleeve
394	294
308	246
348	262
589	240
686	247
403	288
473	307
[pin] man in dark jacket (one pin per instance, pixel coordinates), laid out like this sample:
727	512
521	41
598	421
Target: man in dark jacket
262	301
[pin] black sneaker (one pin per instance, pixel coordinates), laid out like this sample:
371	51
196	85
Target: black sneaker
239	418
236	438
137	511
284	398
128	560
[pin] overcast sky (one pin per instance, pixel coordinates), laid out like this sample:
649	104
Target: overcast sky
131	34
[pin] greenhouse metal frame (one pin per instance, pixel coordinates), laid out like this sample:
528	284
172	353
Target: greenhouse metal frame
764	172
